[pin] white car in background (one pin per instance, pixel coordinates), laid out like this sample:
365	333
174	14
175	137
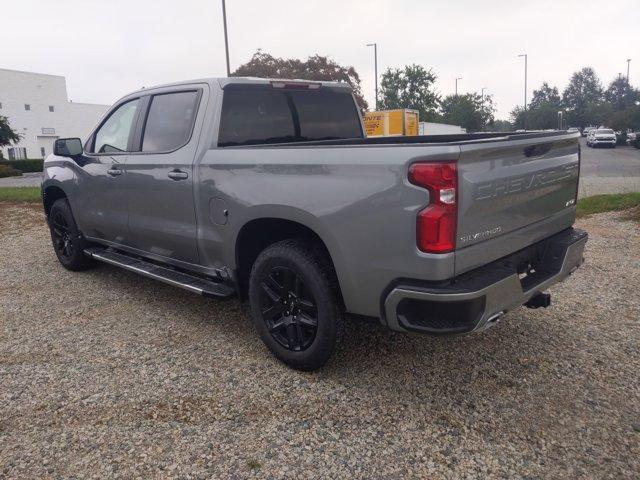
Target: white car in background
602	136
586	130
573	130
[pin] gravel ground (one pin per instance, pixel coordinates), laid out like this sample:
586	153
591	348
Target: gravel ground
105	374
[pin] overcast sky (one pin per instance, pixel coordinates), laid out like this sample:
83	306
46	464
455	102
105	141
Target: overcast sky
107	48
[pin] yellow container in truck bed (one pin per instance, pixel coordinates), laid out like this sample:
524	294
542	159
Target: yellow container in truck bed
390	123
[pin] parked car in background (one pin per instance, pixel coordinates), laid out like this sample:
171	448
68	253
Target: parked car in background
573	129
586	130
270	191
602	137
631	137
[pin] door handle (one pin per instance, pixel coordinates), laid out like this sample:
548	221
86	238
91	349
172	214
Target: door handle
177	175
114	172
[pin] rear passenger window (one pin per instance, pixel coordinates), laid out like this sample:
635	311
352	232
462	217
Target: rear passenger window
251	117
170	121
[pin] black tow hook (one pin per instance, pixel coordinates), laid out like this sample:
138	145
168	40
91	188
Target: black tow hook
540	300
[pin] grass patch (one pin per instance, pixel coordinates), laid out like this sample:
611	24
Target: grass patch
20	194
607	203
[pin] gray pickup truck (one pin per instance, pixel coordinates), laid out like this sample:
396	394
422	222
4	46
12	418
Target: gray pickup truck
269	191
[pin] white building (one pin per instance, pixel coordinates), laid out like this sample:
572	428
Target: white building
430	128
38	108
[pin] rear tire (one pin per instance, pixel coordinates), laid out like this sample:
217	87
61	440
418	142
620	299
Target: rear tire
68	242
295	303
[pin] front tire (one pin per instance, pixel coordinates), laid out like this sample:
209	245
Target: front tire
68	242
295	303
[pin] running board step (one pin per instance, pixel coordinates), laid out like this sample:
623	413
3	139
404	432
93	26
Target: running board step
192	283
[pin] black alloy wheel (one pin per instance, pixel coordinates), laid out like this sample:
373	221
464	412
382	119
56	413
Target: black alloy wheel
288	309
62	237
68	242
295	302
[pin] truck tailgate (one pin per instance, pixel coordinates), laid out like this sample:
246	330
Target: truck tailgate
513	192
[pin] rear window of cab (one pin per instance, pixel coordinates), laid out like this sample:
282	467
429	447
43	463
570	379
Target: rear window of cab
265	115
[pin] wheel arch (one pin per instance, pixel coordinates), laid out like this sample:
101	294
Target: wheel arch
258	233
50	194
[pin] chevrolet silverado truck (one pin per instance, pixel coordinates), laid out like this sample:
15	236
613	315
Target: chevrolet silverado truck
269	191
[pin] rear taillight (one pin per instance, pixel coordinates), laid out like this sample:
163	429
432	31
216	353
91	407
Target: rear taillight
436	225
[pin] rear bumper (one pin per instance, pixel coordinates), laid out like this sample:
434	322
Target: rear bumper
476	299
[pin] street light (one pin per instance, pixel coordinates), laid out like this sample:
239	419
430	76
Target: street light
482	93
560	115
628	62
525	89
226	38
457	78
375	63
525	79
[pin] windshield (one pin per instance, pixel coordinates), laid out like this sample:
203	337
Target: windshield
605	130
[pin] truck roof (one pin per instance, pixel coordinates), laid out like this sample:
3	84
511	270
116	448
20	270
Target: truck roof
224	81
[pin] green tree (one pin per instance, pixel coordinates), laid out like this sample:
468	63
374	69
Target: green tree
546	95
470	111
7	134
410	87
627	119
543	117
316	67
620	94
583	91
599	113
542	112
502	126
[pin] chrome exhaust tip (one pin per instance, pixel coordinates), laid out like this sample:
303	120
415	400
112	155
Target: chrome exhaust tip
491	321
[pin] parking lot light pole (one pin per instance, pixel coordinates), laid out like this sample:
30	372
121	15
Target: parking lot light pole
457	78
375	66
560	114
628	62
226	38
525	80
525	89
482	94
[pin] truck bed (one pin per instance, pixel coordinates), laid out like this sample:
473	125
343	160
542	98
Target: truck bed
419	139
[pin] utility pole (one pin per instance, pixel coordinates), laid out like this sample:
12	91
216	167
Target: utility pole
482	94
375	66
525	89
628	62
226	38
457	78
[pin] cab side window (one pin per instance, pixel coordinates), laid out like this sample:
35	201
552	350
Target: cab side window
169	121
113	136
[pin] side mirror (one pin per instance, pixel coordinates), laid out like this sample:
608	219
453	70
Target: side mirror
67	147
